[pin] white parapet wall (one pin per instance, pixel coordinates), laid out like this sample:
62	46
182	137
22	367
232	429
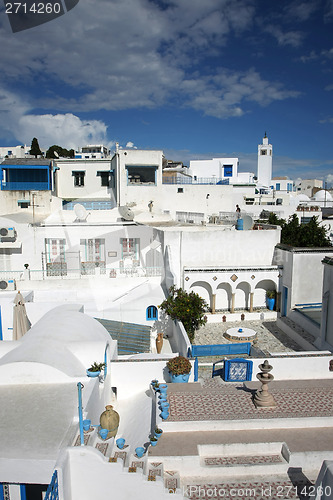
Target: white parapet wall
133	375
297	367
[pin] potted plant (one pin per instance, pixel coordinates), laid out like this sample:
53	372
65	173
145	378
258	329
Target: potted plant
153	441
158	432
179	368
95	369
270	299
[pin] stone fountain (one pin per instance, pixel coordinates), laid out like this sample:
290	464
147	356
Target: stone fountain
262	398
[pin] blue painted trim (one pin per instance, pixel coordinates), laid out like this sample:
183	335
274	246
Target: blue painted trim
105	362
80	387
25	167
285	301
2	496
23	492
310	304
196	370
1	336
227	366
151	313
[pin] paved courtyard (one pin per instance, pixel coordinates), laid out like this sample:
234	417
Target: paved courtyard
216	400
270	338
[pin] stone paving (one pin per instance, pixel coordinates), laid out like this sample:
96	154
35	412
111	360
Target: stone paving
257	489
234	402
270	338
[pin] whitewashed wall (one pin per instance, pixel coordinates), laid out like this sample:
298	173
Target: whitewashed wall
212	246
134	375
302	274
92	182
326	331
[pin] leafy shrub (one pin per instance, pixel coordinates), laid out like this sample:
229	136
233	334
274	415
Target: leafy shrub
179	365
189	308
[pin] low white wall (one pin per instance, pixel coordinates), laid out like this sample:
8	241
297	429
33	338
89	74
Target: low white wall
296	368
131	377
178	338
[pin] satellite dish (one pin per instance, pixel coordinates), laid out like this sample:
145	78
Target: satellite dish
126	213
80	212
247	222
55	154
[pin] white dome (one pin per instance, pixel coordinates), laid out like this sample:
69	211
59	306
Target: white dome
302	197
322	195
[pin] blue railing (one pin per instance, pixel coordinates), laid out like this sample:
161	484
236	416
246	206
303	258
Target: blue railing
25	186
196	351
52	492
198	180
79	396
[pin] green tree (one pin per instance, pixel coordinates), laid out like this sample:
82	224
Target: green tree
59	152
305	235
35	149
189	308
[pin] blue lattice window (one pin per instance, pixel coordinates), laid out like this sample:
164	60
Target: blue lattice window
237	370
151	313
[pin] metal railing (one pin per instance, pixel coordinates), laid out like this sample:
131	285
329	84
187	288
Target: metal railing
71	274
198	180
25	186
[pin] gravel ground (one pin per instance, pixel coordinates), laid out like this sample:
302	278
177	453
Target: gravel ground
269	337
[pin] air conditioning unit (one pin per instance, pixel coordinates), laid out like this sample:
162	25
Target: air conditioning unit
7	284
7	232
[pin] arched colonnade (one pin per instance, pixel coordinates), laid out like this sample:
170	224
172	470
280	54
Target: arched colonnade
231	289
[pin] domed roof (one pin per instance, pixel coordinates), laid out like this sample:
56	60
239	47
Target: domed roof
302	197
322	195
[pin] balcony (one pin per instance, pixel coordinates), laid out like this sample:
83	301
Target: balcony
25	186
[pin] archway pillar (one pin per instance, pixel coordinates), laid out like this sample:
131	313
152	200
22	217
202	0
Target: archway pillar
251	301
213	303
233	302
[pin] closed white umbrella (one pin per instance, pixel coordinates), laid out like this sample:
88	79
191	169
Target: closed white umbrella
21	323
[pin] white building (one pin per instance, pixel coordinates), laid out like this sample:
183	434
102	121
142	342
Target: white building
92	151
14	152
85	179
308	186
222	169
265	160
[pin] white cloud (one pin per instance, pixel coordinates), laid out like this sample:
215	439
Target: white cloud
133	53
67	130
226	93
130	144
292	38
329	179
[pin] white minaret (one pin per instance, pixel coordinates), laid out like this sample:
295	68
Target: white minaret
265	156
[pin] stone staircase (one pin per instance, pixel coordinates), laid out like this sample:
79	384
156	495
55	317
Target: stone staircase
125	461
132	338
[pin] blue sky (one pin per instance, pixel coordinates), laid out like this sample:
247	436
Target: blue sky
195	78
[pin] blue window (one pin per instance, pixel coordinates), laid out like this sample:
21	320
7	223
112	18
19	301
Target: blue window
227	170
278	186
289	186
151	313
